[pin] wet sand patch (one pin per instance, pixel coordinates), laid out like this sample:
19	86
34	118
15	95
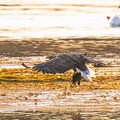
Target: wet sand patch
37	47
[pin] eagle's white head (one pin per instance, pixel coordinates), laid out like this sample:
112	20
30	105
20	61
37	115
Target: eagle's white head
87	74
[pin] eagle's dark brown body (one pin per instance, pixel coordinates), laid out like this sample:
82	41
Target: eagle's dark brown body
76	79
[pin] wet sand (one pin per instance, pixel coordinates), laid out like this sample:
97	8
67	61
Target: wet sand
37	47
30	101
26	98
61	115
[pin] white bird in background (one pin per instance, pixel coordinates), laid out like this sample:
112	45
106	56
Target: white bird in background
115	20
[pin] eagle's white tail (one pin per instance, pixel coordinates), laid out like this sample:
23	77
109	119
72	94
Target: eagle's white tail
88	74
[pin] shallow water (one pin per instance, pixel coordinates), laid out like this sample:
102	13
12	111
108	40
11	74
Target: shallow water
57	19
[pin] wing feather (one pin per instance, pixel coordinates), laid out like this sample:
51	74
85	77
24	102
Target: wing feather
47	70
57	65
62	63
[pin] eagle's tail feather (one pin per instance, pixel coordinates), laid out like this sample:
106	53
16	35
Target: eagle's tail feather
24	65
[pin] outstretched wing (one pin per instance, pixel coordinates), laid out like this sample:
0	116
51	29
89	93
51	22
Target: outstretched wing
61	64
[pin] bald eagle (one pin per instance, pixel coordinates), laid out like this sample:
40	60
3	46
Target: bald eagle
65	62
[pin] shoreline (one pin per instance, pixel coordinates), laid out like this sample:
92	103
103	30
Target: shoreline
48	47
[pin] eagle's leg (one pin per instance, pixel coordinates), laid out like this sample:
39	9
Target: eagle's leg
75	79
79	82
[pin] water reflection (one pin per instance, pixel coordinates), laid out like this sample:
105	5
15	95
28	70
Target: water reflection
61	115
